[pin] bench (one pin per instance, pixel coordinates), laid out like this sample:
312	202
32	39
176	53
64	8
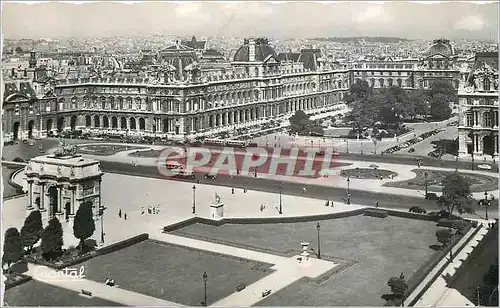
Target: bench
240	287
87	293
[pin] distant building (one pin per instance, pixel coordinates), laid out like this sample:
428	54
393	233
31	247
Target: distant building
478	108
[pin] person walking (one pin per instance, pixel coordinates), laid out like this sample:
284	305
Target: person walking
142	210
125	216
376	204
120	213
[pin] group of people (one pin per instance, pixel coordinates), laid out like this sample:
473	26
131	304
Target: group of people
120	214
328	203
152	209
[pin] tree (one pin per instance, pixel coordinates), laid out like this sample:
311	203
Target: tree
32	230
83	224
12	246
419	99
444	88
444	236
19	49
52	240
456	193
398	289
301	124
359	90
440	107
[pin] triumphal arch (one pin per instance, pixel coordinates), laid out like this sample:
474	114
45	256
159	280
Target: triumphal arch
59	183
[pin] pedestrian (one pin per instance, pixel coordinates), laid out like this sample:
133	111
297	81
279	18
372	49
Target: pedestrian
120	213
245	190
149	209
125	216
262	207
376	204
142	210
332	204
304	190
327	203
232	191
154	210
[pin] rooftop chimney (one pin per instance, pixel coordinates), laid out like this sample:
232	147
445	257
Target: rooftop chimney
251	50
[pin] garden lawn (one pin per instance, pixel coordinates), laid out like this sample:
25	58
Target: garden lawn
8	190
382	248
36	293
174	273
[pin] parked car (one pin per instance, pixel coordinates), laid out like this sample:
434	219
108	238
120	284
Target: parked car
18	160
411	150
431	196
484	167
210	176
417	209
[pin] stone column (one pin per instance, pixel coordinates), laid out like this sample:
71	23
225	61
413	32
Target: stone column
30	195
73	200
462	145
59	198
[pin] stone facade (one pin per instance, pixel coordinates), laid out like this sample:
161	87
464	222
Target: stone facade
478	109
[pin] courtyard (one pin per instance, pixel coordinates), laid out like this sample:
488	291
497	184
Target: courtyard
376	249
175	273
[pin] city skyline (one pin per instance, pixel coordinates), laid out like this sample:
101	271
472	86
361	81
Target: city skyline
273	19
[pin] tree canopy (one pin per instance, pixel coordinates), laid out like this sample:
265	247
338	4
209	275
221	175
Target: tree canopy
32	229
12	246
52	239
301	124
83	224
456	194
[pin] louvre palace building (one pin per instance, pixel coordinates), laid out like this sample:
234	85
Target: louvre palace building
187	90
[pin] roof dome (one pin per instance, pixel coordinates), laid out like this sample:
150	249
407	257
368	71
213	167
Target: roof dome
262	50
442	47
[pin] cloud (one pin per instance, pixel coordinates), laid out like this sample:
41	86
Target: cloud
374	14
471	23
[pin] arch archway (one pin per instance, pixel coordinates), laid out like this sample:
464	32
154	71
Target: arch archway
15	130
31	126
48	127
123	123
88	121
73	122
97	121
67	211
53	200
60	124
142	124
114	122
488	145
132	123
105	122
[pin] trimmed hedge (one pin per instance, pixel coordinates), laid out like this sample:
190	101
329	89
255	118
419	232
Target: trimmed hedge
89	255
376	213
9	283
417	278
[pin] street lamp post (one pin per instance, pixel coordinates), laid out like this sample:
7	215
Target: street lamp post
194	199
318	226
347	149
101	213
205	278
486	202
281	203
348	191
426	188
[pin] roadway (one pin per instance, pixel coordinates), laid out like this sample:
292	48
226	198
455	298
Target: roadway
334	194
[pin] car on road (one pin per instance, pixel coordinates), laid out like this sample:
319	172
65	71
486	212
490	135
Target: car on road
431	196
334	153
411	150
18	160
417	209
210	176
484	167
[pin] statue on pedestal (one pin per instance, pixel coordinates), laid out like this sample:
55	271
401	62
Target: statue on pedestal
217	199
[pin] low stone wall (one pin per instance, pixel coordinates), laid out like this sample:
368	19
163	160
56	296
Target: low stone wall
261	220
417	278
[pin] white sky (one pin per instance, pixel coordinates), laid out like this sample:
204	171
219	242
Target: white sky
453	20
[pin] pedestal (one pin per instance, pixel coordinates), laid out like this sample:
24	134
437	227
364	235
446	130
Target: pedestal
217	211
